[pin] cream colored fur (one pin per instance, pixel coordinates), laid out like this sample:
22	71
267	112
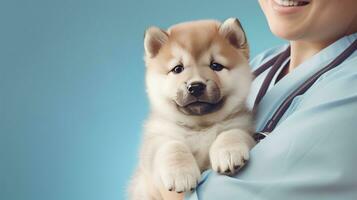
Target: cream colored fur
177	147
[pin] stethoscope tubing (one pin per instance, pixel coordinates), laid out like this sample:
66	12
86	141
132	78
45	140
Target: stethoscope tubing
278	114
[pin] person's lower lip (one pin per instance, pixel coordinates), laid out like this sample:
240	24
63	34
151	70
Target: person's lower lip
280	6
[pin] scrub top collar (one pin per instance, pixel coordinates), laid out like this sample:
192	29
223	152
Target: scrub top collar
277	92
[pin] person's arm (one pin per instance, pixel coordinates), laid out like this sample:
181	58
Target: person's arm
311	155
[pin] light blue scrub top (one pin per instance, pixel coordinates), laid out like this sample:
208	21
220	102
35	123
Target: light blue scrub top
312	153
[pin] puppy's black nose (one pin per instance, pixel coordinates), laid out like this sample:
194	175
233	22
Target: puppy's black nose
196	88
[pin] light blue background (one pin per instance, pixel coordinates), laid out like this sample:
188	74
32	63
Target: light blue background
72	96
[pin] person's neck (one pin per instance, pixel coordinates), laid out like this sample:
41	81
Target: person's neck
302	50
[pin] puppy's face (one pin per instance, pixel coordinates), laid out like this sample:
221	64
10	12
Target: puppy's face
197	70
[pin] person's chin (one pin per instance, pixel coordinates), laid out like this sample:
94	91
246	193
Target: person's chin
288	31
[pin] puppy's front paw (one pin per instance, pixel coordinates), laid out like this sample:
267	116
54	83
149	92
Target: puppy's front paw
180	176
230	151
177	168
228	159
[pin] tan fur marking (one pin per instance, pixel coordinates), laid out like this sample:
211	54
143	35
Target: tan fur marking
195	38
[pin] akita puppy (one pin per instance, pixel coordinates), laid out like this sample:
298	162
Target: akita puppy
197	78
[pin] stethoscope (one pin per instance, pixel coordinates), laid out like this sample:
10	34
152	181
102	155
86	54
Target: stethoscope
275	63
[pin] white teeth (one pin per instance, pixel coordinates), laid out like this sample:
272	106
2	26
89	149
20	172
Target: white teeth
287	3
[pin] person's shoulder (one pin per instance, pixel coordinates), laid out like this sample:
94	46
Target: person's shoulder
266	56
336	85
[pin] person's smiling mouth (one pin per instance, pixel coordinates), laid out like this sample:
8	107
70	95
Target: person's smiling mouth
292	3
287	7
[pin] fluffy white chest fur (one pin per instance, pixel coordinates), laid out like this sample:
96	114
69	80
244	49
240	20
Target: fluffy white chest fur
175	156
197	81
198	141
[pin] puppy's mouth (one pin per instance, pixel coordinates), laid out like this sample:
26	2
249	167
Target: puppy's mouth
200	108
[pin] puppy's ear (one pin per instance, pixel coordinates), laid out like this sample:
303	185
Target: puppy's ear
232	30
153	40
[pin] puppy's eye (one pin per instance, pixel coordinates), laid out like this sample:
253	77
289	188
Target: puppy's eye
216	66
177	69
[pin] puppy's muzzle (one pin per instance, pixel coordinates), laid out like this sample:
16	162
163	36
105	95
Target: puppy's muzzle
199	98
